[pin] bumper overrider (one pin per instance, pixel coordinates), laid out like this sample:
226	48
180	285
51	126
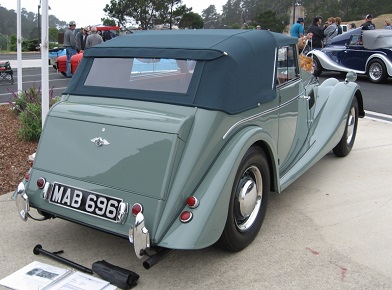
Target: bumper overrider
138	233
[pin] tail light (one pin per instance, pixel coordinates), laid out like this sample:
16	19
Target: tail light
27	175
192	202
186	216
136	208
41	182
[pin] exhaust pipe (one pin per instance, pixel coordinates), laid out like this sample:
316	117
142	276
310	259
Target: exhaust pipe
158	256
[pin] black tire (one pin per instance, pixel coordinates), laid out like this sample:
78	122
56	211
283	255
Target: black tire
347	142
377	71
317	68
248	202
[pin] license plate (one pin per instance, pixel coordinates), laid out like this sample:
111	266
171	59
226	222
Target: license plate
85	201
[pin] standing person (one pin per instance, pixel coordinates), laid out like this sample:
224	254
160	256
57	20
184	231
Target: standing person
81	37
94	38
338	21
317	32
70	45
353	26
368	25
297	30
331	31
387	25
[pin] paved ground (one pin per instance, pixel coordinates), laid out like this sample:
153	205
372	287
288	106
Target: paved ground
331	229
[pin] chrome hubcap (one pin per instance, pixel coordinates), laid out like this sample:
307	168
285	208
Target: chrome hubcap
350	125
375	71
248	198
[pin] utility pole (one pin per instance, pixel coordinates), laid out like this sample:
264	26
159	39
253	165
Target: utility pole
38	21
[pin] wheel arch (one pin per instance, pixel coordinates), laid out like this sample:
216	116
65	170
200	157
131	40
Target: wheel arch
361	108
383	59
214	192
272	164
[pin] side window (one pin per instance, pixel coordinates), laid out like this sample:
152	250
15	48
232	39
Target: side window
356	40
287	68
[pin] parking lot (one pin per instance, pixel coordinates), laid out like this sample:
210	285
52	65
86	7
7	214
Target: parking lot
331	229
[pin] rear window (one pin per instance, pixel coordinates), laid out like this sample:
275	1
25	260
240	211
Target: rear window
151	74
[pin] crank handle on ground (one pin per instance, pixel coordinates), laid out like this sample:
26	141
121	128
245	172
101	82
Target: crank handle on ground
38	250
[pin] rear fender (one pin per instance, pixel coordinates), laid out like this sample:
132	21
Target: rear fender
214	193
384	59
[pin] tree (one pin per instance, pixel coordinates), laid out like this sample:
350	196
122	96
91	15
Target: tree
191	20
108	21
146	13
232	13
268	20
53	34
211	18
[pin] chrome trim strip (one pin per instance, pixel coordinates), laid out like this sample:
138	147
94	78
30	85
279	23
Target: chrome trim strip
274	74
259	115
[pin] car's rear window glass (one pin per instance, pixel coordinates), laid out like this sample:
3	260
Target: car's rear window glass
152	74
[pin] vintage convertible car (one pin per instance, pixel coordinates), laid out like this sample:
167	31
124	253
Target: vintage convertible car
367	52
174	139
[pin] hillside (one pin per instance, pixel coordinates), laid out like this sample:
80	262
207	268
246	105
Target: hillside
378	21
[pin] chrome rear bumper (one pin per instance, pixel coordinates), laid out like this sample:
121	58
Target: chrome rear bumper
139	236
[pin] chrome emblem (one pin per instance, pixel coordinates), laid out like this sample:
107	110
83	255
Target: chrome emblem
99	141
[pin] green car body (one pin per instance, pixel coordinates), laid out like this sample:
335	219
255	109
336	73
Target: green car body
225	100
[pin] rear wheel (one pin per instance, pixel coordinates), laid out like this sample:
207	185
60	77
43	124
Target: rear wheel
248	202
347	142
377	72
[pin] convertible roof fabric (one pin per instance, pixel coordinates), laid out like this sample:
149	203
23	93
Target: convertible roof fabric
379	38
237	72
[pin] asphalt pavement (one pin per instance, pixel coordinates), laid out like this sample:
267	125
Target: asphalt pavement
27	63
331	229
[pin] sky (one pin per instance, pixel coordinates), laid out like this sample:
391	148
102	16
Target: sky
85	13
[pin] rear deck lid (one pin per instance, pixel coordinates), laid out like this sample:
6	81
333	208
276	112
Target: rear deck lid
124	148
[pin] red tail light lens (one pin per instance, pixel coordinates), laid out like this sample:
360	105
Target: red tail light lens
136	208
41	182
186	216
192	202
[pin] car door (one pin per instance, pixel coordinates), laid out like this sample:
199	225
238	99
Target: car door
355	55
294	115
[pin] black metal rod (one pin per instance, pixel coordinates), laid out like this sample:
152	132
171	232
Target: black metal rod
38	250
159	256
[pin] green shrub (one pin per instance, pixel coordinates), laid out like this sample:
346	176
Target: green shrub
30	122
28	106
20	101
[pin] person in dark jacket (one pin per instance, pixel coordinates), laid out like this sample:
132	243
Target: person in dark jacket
368	25
81	37
317	31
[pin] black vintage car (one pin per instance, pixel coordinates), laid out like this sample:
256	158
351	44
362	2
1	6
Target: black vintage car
366	52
